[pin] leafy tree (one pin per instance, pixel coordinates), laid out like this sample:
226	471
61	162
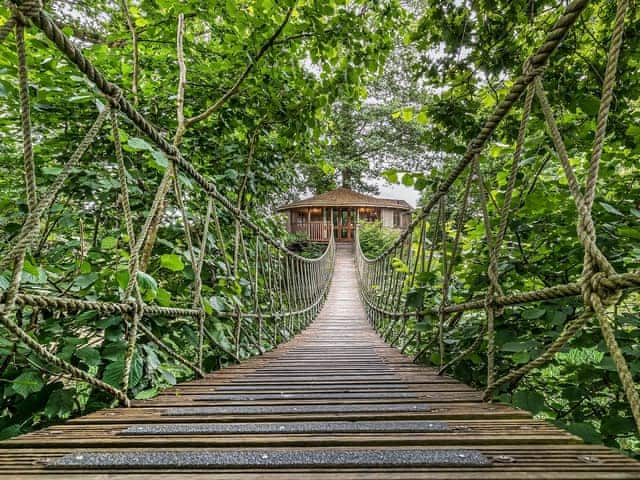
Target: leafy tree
243	88
469	52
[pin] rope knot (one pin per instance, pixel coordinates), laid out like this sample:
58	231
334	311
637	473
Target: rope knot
490	300
136	306
597	291
115	96
531	69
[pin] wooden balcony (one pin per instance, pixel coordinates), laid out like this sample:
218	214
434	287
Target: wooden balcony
316	231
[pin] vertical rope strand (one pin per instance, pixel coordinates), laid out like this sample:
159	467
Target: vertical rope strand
25	120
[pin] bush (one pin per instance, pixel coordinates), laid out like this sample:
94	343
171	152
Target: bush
375	239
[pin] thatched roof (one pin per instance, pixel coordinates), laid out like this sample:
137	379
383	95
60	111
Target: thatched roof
344	197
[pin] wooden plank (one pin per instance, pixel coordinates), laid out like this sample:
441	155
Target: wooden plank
338	366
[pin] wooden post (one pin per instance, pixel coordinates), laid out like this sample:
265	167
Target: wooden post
331	222
325	231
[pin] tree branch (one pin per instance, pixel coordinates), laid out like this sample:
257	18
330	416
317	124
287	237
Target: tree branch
134	44
297	36
152	233
232	91
182	81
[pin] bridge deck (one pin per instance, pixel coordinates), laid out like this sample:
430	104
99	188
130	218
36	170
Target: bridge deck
336	402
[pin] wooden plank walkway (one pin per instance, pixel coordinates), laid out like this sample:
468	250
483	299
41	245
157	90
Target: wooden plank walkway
336	402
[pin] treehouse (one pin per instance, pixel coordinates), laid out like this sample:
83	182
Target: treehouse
339	211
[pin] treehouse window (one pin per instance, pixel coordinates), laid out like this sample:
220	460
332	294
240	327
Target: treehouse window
368	214
316	215
396	219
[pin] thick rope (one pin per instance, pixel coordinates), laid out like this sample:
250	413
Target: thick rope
198	301
136	316
170	351
6	28
567	334
73	305
442	316
605	100
476	343
494	284
494	244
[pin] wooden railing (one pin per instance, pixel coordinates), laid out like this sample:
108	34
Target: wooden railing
317	231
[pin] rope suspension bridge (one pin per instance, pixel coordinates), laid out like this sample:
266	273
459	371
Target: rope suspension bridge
327	396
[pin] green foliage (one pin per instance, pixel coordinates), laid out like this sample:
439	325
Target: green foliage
300	116
26	383
252	148
470	52
306	248
172	262
374	238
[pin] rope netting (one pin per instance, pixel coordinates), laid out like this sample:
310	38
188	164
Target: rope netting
277	292
392	284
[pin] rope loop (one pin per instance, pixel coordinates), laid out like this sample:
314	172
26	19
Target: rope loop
530	69
27	9
489	301
116	96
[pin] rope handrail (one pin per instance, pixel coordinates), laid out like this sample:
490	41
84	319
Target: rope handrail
284	291
388	285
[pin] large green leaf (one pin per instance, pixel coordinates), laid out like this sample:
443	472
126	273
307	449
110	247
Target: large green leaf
90	356
27	383
172	262
60	404
113	373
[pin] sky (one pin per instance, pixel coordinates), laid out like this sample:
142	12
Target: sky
397	191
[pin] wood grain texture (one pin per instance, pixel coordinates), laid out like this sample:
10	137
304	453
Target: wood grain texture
337	356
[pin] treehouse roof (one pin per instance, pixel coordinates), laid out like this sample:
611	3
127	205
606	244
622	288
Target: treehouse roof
345	197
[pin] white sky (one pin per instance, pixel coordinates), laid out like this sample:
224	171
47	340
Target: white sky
397	191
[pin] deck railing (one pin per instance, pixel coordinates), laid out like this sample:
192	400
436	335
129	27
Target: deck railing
317	231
